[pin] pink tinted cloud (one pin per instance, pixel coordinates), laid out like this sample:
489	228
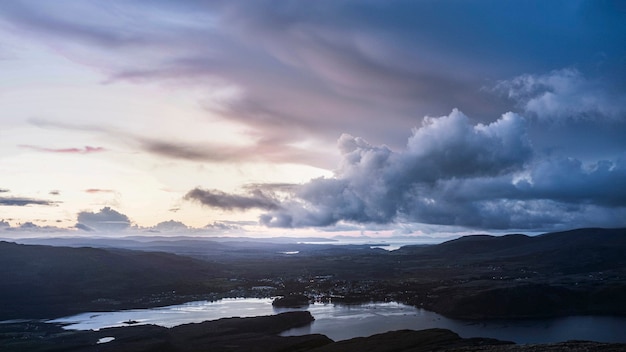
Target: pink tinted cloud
98	190
85	150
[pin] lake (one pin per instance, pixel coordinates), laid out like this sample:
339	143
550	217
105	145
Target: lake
340	322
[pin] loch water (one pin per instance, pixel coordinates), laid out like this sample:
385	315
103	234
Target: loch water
341	322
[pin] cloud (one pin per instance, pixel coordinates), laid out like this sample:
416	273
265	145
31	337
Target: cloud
54	192
84	150
4	190
352	61
568	180
225	225
563	95
23	201
32	227
170	226
298	74
373	183
218	199
98	190
285	188
455	173
4	224
276	150
106	219
367	68
83	227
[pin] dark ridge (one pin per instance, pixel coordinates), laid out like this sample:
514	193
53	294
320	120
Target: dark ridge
519	245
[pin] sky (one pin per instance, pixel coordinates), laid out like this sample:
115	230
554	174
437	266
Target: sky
273	118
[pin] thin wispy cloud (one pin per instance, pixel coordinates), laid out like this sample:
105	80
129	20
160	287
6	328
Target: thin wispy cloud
98	190
218	199
24	201
259	150
84	150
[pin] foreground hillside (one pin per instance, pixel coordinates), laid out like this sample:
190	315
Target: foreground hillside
259	334
44	281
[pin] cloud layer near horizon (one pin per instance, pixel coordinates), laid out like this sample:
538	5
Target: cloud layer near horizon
106	219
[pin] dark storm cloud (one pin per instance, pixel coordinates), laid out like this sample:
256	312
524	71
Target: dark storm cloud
455	173
218	199
565	95
106	219
23	201
568	180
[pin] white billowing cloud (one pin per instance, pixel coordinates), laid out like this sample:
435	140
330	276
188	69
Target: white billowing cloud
563	95
106	219
450	146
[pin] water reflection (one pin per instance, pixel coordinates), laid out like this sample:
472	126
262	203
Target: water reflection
340	322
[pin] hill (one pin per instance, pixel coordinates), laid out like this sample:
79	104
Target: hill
44	281
581	271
